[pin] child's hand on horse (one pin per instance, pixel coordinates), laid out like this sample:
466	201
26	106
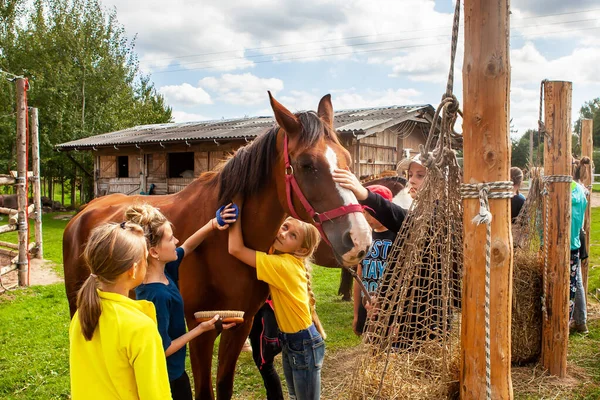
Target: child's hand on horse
348	180
228	215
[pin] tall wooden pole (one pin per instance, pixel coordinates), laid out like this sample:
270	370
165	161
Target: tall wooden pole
587	150
486	134
37	192
22	262
557	161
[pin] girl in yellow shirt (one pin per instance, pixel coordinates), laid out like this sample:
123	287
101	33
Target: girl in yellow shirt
287	273
115	349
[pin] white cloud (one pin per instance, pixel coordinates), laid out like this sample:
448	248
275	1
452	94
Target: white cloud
241	89
348	99
581	65
185	95
225	35
182	116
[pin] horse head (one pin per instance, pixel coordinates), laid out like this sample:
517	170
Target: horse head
309	151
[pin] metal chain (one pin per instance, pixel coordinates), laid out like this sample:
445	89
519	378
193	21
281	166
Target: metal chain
545	192
482	192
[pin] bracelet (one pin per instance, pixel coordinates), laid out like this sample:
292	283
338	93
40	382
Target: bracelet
212	223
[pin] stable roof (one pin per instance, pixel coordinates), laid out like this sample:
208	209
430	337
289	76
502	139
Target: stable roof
358	122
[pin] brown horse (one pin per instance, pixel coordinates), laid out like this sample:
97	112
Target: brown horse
324	255
210	279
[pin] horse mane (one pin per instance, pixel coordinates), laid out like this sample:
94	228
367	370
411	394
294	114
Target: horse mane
249	169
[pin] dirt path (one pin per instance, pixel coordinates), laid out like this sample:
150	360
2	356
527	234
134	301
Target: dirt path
41	273
595	199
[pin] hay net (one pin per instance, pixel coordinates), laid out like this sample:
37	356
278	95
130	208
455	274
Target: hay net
411	339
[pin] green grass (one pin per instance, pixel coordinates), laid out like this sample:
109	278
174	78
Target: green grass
34	343
52	231
34	333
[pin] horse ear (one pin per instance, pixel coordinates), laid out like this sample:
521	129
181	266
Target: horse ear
325	110
288	121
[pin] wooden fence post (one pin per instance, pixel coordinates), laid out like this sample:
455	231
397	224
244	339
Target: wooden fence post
23	224
486	134
37	192
557	161
587	150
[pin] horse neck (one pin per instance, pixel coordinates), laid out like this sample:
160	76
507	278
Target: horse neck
262	213
262	217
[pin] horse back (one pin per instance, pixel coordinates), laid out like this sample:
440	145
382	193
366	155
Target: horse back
105	209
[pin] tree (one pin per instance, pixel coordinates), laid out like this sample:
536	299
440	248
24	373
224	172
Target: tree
84	75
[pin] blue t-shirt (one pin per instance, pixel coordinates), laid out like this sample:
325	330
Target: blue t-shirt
578	207
169	312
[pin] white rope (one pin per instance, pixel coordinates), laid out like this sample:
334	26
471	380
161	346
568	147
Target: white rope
545	192
482	192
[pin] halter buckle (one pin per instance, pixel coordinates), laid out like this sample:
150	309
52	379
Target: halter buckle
289	170
317	218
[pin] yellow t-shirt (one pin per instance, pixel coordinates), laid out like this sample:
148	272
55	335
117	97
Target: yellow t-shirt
125	359
286	276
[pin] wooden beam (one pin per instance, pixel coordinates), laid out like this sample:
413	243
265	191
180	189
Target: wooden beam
8	228
23	263
7	180
9	245
8	268
78	164
9	253
557	161
587	150
37	191
486	83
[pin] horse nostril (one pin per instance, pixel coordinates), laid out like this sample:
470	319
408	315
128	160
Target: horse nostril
361	254
347	240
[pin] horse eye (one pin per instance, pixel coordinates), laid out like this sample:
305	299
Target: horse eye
307	167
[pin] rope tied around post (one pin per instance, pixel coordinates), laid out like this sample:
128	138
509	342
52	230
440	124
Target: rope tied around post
545	193
483	192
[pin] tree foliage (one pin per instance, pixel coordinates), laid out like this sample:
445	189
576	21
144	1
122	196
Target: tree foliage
83	72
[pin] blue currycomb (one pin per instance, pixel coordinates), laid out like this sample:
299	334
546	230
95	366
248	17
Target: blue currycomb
220	220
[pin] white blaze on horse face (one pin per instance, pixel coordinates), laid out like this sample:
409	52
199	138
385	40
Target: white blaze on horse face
360	231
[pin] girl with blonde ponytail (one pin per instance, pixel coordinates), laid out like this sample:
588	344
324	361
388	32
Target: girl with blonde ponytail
115	349
287	272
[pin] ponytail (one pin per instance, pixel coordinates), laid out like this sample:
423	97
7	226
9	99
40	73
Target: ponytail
111	250
88	305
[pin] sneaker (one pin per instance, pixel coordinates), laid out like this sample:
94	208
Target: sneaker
247	346
578	328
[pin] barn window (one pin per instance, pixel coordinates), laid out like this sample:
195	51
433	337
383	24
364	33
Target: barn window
123	167
181	165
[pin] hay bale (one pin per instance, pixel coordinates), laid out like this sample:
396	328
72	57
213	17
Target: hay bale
526	307
408	375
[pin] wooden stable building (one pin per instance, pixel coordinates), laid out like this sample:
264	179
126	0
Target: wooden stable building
164	158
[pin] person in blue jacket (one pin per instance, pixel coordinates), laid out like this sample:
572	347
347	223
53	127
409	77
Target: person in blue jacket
161	287
577	301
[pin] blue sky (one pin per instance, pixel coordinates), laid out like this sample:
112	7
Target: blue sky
217	59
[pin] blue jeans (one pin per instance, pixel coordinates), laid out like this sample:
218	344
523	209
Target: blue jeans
303	354
577	305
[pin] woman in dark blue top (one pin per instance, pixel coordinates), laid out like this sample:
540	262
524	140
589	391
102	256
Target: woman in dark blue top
161	287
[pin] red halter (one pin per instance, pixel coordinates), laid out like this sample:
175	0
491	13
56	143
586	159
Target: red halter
291	186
